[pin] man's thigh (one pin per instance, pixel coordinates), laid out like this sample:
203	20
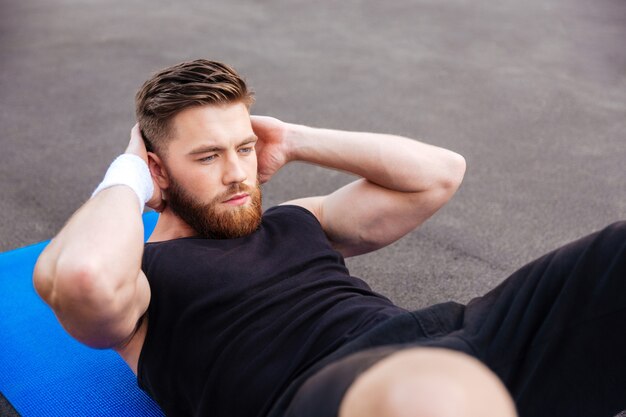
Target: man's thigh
403	380
555	331
322	394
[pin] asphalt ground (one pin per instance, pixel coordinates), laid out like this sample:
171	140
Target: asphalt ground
532	93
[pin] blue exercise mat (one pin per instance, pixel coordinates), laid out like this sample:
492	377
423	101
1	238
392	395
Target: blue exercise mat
44	371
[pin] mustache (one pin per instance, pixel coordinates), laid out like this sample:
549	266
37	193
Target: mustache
235	189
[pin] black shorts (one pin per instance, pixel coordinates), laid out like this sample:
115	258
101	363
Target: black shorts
554	332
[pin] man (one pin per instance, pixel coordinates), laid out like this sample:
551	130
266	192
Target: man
228	311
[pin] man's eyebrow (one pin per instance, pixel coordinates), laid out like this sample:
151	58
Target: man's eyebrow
214	148
248	140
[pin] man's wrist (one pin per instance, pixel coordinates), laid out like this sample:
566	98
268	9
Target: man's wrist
131	170
297	138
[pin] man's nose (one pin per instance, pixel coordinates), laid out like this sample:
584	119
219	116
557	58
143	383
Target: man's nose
234	171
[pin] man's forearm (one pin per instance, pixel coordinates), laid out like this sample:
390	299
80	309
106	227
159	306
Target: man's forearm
97	253
90	273
390	161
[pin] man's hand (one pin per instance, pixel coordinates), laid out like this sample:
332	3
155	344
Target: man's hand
272	148
137	147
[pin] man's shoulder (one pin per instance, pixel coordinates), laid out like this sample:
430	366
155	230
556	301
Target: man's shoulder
290	213
287	207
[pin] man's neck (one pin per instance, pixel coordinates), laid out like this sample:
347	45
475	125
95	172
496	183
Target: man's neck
169	226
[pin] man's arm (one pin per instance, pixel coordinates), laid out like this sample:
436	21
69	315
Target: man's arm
404	181
90	273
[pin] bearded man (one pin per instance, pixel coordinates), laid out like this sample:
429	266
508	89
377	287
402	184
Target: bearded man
227	311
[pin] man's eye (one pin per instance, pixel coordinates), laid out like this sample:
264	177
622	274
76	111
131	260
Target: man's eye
207	158
246	150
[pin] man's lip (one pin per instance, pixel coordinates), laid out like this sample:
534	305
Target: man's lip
236	197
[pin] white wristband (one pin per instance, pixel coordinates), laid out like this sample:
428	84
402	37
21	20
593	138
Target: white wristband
131	170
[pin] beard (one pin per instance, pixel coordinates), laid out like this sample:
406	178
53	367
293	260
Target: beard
210	220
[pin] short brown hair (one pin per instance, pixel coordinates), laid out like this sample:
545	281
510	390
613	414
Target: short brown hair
194	83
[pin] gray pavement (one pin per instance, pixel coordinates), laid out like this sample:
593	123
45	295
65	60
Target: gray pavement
532	93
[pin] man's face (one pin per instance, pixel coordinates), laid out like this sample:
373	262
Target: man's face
212	171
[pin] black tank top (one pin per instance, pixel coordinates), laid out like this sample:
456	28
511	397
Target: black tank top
232	322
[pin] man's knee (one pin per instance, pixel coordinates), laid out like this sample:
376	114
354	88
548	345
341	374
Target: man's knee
427	382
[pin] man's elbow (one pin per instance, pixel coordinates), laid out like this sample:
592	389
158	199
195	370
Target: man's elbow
454	172
43	276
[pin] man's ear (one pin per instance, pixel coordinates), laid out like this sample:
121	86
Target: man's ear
158	171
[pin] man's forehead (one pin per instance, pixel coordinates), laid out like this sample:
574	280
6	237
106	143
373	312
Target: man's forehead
212	126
